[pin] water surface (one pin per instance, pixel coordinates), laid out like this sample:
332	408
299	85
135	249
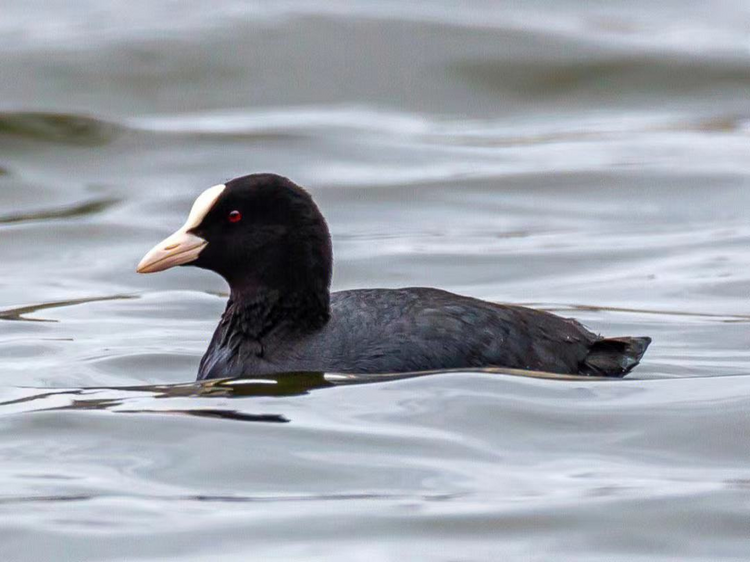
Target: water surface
590	160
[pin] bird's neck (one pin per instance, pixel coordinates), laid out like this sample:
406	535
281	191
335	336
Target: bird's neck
257	325
288	297
259	312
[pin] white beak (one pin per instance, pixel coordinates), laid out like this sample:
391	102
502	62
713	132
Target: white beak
180	248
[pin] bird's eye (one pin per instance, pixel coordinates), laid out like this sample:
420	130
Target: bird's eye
235	216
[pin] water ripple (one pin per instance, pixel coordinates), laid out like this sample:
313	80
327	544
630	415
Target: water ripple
73	211
20	313
57	128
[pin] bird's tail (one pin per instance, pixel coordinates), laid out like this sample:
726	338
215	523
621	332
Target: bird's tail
614	357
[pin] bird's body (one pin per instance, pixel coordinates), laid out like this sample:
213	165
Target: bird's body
399	330
267	238
404	330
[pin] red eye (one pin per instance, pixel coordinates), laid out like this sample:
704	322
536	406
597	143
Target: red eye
235	216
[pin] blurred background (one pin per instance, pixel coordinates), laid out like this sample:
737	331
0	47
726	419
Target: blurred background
589	158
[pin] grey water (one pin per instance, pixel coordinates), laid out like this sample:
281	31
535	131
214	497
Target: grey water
591	159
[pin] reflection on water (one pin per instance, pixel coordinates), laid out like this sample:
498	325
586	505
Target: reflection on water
20	313
130	399
83	209
590	158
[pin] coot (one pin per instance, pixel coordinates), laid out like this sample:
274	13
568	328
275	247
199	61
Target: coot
267	238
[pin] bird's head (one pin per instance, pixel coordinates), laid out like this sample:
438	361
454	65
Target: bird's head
256	231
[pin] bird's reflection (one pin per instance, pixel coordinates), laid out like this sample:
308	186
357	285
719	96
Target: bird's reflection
147	399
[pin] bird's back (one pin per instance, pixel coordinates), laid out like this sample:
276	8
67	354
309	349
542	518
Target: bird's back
413	329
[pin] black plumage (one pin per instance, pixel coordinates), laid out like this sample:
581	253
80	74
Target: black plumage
281	316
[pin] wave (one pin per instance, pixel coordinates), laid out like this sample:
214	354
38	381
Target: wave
690	29
80	129
63	128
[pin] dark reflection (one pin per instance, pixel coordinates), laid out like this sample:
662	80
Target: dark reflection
44	499
230	415
286	384
109	404
117	399
19	314
324	497
437	497
58	127
627	74
226	414
80	210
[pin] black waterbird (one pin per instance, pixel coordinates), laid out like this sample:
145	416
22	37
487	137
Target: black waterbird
267	238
